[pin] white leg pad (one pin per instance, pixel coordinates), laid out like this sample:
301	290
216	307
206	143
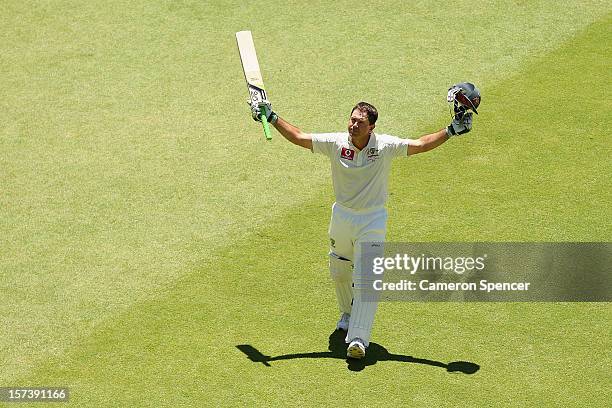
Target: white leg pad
365	299
341	271
362	319
363	310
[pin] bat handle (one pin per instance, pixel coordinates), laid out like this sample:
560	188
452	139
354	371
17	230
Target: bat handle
266	127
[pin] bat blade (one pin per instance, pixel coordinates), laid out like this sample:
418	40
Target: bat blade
252	74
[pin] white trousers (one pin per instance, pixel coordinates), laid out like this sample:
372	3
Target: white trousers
349	231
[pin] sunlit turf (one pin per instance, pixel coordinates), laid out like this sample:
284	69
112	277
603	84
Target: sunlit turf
148	229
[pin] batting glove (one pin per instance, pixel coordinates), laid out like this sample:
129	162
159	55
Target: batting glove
462	122
266	108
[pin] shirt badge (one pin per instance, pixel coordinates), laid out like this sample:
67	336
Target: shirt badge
372	154
347	154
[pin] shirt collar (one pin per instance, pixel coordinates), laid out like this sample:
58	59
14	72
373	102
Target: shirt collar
371	142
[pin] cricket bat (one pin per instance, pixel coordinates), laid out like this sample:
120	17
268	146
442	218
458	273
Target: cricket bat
252	74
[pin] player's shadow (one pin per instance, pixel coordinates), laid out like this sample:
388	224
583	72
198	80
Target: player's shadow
375	353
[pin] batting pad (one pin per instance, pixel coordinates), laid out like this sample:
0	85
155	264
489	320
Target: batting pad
365	300
363	310
341	272
362	319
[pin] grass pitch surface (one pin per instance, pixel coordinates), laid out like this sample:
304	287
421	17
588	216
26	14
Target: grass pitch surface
148	229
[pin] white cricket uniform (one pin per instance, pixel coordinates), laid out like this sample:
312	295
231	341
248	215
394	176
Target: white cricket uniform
360	179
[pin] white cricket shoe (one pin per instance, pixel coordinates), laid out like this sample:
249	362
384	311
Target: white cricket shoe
356	349
343	323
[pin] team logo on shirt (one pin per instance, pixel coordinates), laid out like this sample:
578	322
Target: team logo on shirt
372	154
347	154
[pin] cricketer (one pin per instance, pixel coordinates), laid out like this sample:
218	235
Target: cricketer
360	165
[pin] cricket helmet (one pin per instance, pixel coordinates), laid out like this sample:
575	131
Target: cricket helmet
465	94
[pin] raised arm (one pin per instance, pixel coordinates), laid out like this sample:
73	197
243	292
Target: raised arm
427	142
289	132
462	123
292	133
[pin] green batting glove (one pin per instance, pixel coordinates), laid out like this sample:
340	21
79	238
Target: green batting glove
266	108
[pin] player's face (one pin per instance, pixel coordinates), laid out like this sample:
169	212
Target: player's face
359	125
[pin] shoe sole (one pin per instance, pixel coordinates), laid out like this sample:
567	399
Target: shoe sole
355	352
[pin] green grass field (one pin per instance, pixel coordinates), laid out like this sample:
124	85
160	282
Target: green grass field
147	228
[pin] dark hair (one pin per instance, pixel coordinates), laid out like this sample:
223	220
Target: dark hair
367	109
